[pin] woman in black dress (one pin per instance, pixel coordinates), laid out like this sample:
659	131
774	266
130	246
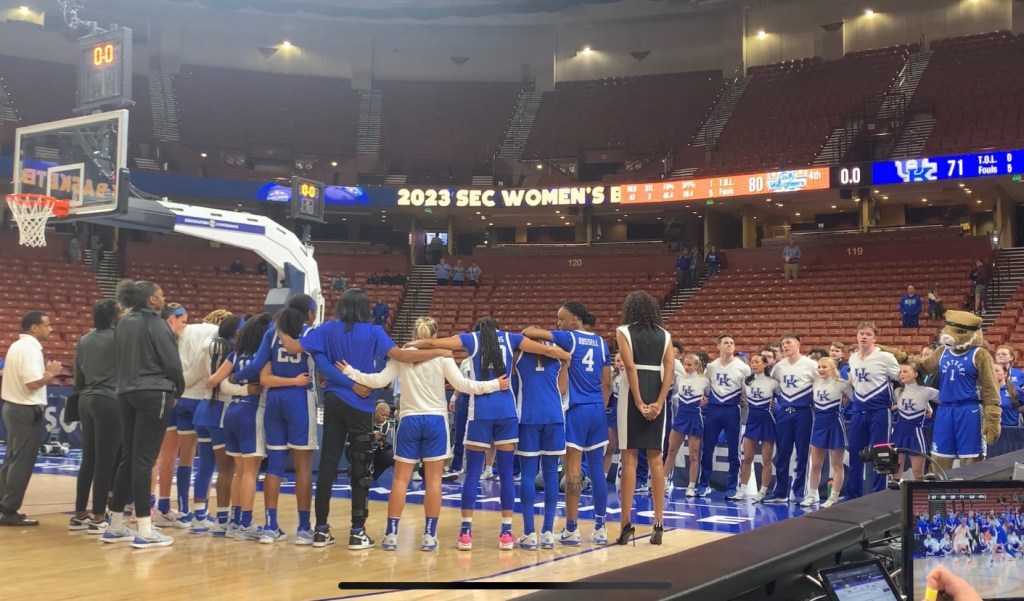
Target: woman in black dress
646	350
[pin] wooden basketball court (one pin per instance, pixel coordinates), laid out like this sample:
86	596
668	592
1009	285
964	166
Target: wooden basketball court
49	561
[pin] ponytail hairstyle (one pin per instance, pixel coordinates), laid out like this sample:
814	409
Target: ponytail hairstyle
425	328
216	317
221	345
134	295
249	339
580	311
492	360
1011	390
696	360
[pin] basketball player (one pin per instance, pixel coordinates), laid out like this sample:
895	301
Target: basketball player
691	390
423	428
179	442
492	417
586	426
541	383
912	402
871	371
795	374
244	437
726	374
290	416
760	392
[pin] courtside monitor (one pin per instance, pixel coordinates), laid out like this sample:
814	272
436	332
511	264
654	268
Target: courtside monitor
78	160
307	199
972	528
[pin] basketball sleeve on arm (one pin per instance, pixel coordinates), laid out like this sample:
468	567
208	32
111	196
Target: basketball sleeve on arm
463	384
378	380
253	369
563	339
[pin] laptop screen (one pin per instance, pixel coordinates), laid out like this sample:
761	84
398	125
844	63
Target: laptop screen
864	581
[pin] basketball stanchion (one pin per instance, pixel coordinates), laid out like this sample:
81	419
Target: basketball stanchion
31	212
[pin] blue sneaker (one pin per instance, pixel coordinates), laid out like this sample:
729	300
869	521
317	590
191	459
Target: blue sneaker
304	537
704	491
269	537
202	526
774	499
117	535
221	530
184	520
157	539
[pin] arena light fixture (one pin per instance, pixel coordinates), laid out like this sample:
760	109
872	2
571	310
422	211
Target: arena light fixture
528	223
883	198
286	44
869	13
586	50
834	206
798	214
23	9
540	166
875	191
924	200
962	184
489	223
761	33
334	163
202	154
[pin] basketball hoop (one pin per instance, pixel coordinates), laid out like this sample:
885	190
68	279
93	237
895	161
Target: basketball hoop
31	212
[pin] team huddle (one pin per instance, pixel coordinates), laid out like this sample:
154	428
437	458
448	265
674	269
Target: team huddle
970	533
245	392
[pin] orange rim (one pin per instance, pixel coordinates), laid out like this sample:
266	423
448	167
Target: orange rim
59	208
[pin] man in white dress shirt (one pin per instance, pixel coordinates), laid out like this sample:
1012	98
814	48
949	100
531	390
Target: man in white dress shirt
24	393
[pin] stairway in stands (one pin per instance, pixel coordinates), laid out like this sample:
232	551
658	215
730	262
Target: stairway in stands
720	113
838	143
163	106
109	274
679	297
371	104
905	85
1008	273
519	127
419	292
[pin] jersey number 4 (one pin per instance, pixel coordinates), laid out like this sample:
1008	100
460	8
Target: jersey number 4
588	359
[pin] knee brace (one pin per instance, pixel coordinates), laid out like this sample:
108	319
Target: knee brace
360	460
276	460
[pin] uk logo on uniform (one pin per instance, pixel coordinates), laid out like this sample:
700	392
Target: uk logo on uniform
789	381
862	374
723	379
687	391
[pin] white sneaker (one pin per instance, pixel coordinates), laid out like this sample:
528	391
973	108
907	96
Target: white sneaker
269	537
641	489
528	541
832	500
600	536
303	537
547	540
691	491
739	495
757	496
154	540
571	539
117	535
184	520
389	542
252	532
165	520
202	526
416	477
428	543
487	475
810	500
668	484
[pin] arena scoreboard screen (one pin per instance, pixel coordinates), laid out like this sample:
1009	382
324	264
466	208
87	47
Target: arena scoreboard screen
307	199
772	182
105	71
958	166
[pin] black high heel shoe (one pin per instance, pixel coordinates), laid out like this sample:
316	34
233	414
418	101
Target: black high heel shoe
628	533
656	536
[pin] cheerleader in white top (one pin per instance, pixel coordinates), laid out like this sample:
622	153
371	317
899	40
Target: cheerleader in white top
726	375
759	391
911	400
691	393
828	434
871	370
422	428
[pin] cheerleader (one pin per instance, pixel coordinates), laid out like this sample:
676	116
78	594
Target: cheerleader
1009	397
492	417
726	375
611	412
911	400
828	433
422	428
688	423
243	427
759	392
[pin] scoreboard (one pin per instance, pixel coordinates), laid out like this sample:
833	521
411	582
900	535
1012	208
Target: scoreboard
772	182
957	166
307	199
105	71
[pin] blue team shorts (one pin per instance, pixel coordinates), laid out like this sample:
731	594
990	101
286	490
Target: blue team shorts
688	421
908	436
422	437
586	427
243	429
760	426
208	418
957	431
290	419
541	439
612	415
485	432
182	416
828	431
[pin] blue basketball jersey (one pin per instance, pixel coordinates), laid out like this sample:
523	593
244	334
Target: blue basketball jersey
537	390
586	368
239	363
494	405
285	364
958	378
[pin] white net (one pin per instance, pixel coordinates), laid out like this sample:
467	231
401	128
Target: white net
31	212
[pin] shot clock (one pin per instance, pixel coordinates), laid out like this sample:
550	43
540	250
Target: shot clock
307	199
105	71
